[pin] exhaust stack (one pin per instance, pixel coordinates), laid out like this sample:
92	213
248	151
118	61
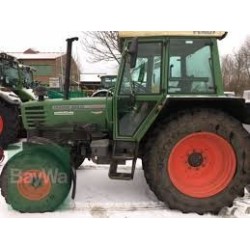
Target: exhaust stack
68	66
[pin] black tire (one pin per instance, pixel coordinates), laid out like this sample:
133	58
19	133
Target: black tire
49	179
76	157
4	183
77	161
10	119
165	137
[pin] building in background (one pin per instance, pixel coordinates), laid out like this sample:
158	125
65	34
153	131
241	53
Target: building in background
90	82
50	66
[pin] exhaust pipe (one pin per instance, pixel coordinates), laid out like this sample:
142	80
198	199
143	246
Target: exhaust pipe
68	66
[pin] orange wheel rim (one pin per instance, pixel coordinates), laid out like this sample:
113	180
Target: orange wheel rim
34	185
201	165
1	125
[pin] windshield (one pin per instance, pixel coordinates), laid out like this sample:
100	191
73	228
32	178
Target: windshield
11	73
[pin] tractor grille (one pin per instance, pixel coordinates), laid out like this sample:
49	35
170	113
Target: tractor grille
35	116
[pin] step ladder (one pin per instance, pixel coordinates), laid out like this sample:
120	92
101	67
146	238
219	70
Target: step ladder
118	157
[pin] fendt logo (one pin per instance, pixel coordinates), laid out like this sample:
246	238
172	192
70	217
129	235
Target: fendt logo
204	32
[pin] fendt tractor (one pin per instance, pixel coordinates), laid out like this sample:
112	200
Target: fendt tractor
167	108
15	79
107	84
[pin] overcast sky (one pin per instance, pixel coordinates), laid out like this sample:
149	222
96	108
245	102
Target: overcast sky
54	41
44	25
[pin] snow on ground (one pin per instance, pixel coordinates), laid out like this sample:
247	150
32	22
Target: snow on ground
100	197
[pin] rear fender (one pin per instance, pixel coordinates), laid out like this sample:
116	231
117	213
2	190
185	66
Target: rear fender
236	107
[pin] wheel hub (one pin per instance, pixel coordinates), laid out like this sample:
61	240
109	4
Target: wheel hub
34	185
36	182
195	159
211	155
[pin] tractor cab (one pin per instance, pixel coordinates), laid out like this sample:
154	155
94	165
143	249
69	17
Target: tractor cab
162	65
9	71
108	81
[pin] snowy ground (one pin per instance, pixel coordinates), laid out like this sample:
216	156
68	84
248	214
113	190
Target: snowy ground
99	197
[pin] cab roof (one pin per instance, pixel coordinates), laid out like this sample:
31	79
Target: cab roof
216	34
7	57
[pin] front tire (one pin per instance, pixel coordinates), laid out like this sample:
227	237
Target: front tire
36	180
198	161
9	124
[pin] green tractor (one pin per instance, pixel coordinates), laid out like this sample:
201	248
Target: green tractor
168	108
13	91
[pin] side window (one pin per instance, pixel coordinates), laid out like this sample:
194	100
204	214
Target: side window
190	67
145	78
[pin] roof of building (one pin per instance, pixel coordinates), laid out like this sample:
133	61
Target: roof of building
217	34
34	56
89	77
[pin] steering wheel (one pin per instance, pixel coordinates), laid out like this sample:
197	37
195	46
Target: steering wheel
138	87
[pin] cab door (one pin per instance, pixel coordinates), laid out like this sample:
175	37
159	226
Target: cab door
139	91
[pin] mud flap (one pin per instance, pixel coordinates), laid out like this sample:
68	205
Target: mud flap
73	172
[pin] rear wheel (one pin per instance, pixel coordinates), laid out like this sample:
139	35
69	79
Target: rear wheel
198	161
9	124
36	180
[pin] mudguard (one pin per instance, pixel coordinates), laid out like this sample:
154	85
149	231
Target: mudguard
9	97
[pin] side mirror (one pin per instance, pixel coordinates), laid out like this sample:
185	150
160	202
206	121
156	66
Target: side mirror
132	51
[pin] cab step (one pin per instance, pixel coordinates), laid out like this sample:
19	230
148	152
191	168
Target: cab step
116	175
123	151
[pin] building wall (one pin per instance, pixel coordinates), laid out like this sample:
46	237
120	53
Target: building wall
44	78
52	68
60	68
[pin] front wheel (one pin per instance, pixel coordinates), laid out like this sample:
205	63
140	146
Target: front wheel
36	180
198	161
